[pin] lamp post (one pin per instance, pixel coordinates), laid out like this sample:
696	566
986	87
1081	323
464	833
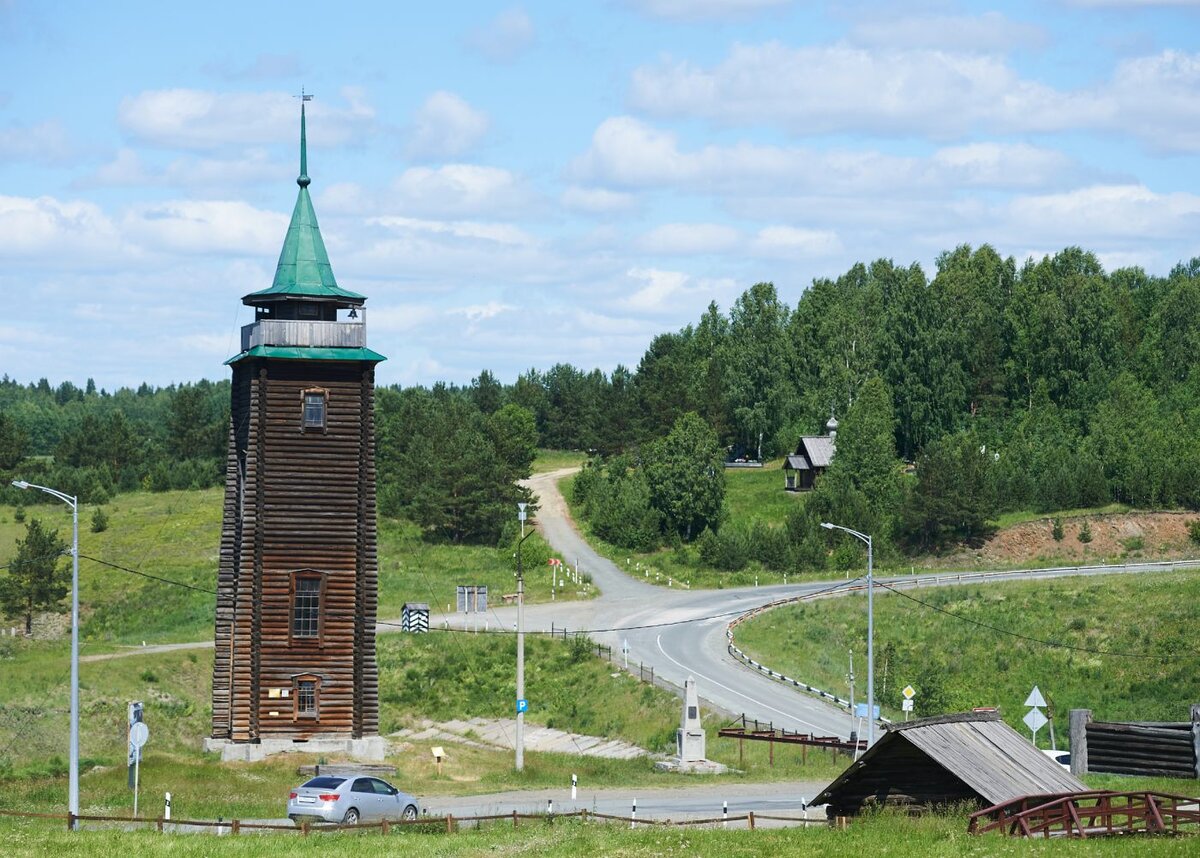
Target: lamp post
73	503
520	740
870	625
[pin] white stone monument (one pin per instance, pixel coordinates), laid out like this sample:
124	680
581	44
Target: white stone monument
689	741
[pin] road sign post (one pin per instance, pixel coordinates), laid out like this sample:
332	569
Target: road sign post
138	734
1034	719
907	703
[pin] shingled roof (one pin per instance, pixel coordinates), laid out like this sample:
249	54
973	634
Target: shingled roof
972	756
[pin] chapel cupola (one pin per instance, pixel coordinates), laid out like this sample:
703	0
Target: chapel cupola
304	307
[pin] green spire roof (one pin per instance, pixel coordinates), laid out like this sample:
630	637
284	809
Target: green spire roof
304	269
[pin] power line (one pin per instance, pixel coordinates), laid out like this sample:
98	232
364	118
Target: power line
1030	638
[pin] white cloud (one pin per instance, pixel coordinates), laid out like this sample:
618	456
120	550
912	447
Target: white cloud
478	312
703	10
461	189
399	318
597	200
212	227
505	37
822	89
1107	212
688	239
794	242
926	92
58	232
446	126
988	32
673	292
45	142
1154	97
129	169
630	153
202	119
497	233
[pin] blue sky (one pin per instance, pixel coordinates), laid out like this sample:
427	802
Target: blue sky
514	185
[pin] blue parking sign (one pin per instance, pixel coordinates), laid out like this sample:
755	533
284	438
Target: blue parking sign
522	705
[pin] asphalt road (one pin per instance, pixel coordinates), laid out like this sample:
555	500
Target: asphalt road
681	633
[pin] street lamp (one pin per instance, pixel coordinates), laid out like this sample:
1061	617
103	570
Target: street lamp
73	503
520	742
870	625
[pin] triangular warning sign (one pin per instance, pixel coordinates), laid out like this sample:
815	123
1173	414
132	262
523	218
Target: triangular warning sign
1035	698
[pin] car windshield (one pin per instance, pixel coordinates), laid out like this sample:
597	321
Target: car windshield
325	782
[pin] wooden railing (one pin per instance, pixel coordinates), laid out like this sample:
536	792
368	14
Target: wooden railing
1090	814
273	332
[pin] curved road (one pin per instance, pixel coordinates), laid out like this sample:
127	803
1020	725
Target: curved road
681	633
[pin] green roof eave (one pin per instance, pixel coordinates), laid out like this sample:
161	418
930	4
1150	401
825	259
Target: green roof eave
307	353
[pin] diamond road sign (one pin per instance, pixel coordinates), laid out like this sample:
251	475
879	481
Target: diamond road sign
909	692
1035	720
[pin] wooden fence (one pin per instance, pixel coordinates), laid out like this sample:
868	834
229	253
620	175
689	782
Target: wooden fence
447	824
1148	748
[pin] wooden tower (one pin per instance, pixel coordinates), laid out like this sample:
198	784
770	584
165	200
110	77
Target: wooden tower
297	587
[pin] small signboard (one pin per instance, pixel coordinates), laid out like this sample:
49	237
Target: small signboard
1035	698
1035	720
522	705
472	598
909	692
860	710
906	705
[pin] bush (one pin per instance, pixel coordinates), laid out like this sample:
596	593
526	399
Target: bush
1057	530
19	514
1134	543
727	550
99	521
1194	530
1085	532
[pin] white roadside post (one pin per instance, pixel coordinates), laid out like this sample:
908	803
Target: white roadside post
167	808
73	785
574	786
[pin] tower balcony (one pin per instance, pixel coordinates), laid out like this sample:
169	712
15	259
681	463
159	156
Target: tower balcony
275	332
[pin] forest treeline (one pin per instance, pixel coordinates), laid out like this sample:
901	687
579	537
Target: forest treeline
1045	385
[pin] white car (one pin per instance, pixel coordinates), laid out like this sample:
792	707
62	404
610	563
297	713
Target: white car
1063	758
349	799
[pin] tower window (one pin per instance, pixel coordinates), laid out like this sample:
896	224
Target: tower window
307	590
306	694
314	409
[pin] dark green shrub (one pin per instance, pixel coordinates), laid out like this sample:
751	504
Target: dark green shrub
1057	530
1085	532
99	521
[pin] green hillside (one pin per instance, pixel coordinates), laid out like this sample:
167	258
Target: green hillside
1133	638
176	535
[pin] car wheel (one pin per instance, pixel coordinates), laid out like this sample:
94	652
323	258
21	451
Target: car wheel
351	817
410	813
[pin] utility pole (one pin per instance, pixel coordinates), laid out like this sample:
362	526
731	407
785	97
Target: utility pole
520	743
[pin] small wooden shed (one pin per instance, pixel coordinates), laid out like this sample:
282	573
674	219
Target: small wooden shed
969	757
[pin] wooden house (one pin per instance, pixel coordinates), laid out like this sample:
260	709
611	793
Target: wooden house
968	757
813	455
297	582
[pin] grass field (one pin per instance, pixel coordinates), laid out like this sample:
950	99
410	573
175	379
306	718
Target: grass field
1147	622
176	535
438	676
885	835
552	460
